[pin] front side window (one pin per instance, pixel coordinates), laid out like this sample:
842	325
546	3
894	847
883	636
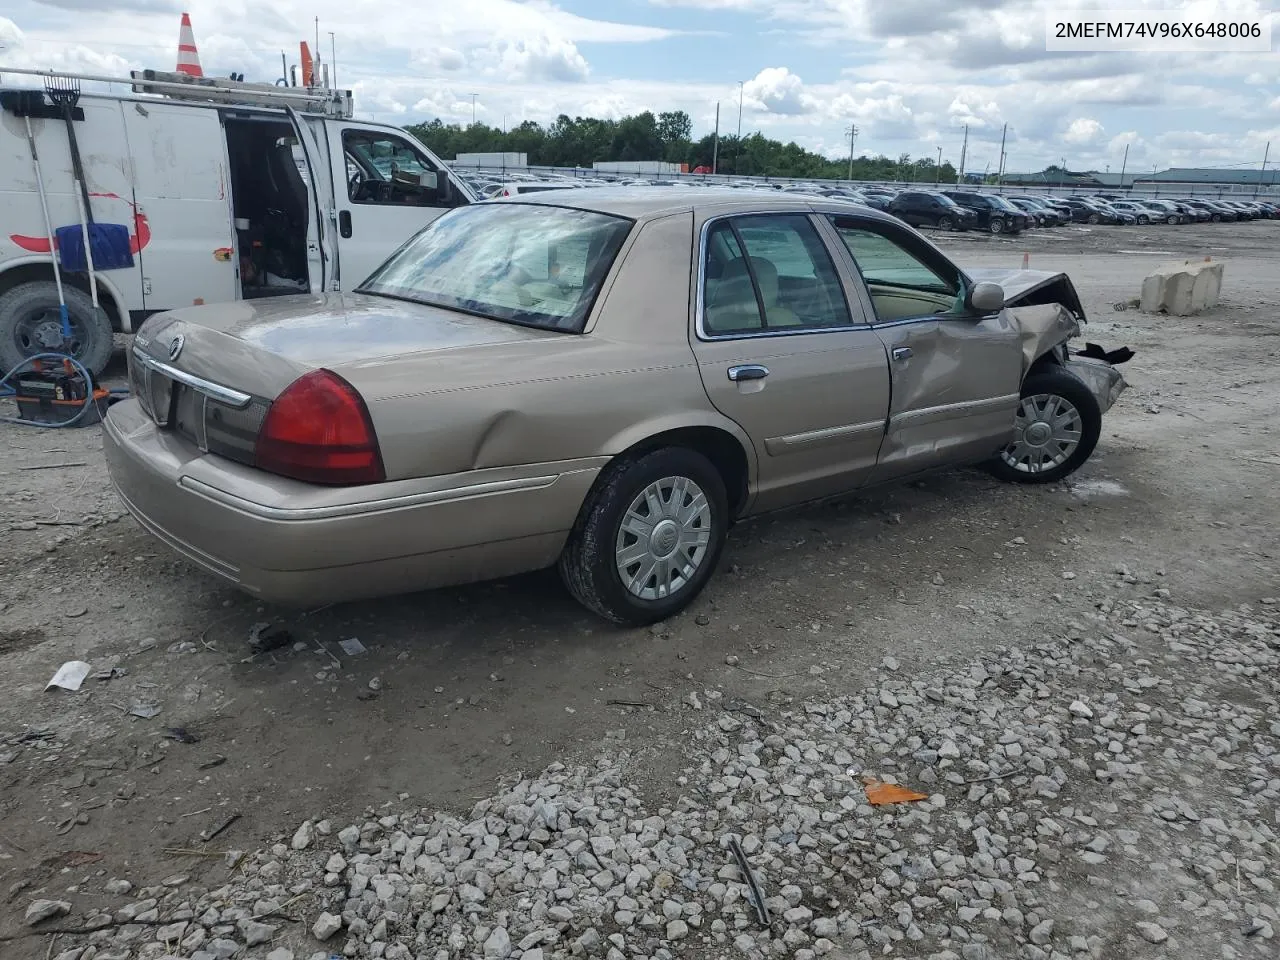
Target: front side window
529	264
385	169
769	273
903	282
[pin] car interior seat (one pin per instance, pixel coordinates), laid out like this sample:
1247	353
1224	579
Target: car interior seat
731	302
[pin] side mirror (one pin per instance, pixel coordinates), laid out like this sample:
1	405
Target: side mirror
986	297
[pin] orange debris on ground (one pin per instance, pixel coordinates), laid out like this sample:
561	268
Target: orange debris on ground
881	794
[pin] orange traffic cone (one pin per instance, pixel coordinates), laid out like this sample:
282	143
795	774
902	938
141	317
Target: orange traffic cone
1026	261
188	58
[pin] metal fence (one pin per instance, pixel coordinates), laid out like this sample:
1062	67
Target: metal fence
1151	190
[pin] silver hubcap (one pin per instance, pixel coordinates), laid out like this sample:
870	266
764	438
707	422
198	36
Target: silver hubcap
663	538
1047	431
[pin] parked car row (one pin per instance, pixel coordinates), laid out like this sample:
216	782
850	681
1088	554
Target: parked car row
945	207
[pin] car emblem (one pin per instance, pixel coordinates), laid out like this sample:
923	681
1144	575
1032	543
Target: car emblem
175	346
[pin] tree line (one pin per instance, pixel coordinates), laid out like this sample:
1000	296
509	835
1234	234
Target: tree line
581	141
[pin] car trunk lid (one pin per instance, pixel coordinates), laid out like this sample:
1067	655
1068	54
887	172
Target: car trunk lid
210	374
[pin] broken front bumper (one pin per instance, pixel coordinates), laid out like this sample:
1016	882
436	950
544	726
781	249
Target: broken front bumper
1104	381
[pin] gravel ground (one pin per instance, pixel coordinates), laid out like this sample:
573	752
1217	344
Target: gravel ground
1080	681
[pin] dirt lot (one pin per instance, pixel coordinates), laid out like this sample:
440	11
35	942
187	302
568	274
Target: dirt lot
461	691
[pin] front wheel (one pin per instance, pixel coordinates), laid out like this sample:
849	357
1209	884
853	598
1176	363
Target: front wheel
648	536
1143	221
944	223
1094	218
996	226
1055	430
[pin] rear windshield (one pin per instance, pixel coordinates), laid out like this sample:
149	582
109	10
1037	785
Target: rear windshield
520	263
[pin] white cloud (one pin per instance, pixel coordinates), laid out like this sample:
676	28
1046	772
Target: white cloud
534	58
777	90
1083	130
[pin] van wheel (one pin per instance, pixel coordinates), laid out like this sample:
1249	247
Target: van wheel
30	324
1055	429
648	536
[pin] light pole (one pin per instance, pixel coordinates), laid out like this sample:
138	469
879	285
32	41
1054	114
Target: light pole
715	143
853	135
937	170
737	149
473	108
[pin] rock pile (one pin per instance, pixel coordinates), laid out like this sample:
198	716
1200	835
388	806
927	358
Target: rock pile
1106	791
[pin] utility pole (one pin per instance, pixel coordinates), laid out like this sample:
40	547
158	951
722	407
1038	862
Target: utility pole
963	150
333	59
1062	172
1000	166
473	109
715	143
937	170
853	135
1262	174
1123	164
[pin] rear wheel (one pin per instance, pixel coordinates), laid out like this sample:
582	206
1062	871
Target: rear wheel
648	537
1055	429
30	323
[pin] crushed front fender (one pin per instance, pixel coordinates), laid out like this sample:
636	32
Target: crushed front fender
1104	381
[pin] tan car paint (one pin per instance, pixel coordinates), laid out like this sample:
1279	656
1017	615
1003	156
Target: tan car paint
492	434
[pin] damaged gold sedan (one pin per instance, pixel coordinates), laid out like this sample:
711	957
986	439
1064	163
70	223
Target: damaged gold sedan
602	380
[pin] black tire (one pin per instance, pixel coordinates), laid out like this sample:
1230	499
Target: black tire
1056	381
1173	219
1094	218
945	223
1215	218
1143	221
587	565
36	304
996	226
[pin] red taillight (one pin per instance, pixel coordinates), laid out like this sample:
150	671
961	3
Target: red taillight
319	431
506	193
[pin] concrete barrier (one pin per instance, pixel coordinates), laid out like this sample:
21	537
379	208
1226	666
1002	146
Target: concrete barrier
1182	288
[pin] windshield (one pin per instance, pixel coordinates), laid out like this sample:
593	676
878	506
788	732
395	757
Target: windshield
1005	204
520	263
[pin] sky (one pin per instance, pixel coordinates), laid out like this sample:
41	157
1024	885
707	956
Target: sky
908	74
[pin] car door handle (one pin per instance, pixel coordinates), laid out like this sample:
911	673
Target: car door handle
902	353
344	223
748	371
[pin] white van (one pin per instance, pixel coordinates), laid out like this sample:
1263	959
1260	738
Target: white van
230	191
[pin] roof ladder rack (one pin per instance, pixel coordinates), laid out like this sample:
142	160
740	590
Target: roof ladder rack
181	86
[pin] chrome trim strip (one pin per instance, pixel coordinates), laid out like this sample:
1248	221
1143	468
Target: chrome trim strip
819	438
361	508
232	398
950	411
699	320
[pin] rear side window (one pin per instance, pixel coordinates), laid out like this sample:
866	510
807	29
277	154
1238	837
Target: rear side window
769	274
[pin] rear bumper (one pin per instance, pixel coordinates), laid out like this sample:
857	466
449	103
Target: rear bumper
296	543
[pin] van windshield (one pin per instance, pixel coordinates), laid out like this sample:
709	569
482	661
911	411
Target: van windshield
535	265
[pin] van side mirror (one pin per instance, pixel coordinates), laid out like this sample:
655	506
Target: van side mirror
986	298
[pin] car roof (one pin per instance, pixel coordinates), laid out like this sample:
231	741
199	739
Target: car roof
647	203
